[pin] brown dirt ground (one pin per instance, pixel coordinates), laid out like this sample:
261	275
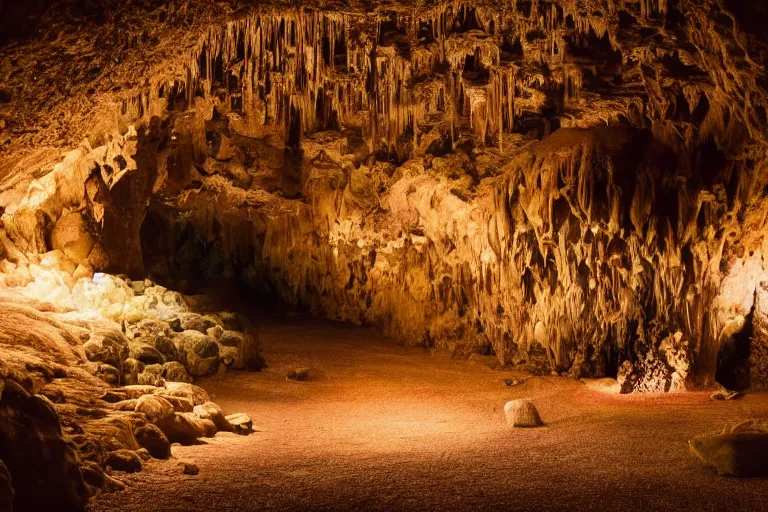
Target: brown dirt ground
383	427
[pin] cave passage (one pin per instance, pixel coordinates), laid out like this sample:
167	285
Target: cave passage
383	427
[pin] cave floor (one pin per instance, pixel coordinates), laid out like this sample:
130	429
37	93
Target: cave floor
381	427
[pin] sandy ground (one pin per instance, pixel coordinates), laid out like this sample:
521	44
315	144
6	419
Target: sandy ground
382	427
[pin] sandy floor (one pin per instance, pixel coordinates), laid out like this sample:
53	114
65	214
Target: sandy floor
387	428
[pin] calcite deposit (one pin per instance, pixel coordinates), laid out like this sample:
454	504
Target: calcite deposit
576	184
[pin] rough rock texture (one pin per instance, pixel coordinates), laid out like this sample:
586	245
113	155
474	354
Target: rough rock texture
554	181
522	414
42	465
73	402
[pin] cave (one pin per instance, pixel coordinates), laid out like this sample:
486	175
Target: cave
356	255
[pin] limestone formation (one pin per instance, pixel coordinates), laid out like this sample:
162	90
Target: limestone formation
562	183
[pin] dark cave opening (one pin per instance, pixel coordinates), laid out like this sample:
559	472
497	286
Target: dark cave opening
733	360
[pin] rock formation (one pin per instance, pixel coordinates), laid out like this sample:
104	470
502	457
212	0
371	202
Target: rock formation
579	183
95	377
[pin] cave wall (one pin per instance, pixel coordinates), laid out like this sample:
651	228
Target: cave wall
577	185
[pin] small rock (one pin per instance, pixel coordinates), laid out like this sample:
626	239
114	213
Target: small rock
189	468
143	454
522	414
723	393
299	374
124	460
241	423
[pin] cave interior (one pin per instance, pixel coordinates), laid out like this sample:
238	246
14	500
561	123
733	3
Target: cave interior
337	254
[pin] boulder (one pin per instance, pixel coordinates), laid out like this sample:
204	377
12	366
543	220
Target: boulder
185	342
153	327
131	370
83	271
43	466
227	356
211	411
150	379
241	423
98	258
180	404
175	372
126	461
215	332
135	391
165	346
248	352
153	440
201	367
113	433
106	349
155	408
196	322
522	414
146	353
72	236
206	348
126	405
195	394
184	428
108	374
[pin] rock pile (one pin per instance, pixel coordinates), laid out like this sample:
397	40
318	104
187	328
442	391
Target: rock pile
96	376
